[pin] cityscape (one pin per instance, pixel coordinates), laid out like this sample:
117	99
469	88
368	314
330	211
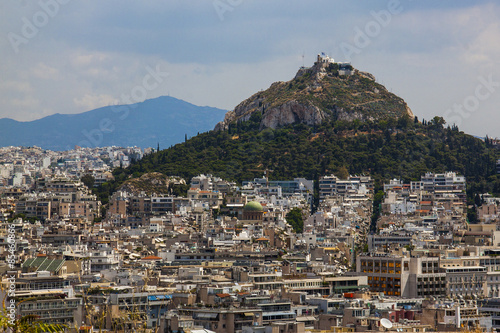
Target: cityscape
208	167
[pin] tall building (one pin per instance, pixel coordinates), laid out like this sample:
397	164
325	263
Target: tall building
332	185
408	277
50	299
433	182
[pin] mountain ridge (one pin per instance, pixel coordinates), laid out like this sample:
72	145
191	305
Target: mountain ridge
165	120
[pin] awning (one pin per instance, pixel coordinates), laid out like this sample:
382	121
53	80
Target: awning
206	315
164	296
270	314
307	318
159	297
249	314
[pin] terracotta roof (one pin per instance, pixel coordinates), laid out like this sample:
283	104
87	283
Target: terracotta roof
151	258
262	239
222	295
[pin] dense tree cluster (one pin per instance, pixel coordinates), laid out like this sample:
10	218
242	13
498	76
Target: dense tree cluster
295	220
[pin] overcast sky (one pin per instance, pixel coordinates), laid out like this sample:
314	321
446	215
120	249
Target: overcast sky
68	56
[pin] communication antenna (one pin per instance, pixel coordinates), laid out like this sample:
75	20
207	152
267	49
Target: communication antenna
386	323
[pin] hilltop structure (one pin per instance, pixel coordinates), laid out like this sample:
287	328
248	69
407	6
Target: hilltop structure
327	91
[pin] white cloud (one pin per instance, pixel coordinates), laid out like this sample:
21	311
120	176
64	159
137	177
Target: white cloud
89	102
483	49
28	102
45	72
16	86
88	59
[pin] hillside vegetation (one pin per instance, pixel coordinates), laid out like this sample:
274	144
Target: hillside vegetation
402	149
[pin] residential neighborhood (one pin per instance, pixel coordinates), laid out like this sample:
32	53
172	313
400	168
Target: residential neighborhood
228	257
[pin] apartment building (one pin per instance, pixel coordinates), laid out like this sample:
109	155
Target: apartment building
332	185
50	299
407	277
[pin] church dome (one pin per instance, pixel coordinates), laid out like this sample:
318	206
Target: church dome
253	206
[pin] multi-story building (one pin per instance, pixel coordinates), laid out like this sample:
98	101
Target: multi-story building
382	241
403	276
312	286
32	206
211	198
103	258
285	188
277	311
332	185
140	204
226	320
491	306
458	315
49	299
492	265
60	185
341	284
162	205
432	182
466	281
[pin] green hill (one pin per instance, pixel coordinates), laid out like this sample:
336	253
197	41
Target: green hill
387	149
381	138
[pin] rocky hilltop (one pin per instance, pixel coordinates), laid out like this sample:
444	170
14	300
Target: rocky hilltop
151	183
326	91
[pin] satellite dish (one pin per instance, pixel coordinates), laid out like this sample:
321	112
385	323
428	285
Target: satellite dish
386	323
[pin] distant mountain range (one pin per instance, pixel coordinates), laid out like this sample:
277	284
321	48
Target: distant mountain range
164	120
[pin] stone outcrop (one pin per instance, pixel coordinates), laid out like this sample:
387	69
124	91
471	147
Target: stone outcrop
292	112
325	91
151	183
